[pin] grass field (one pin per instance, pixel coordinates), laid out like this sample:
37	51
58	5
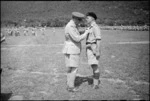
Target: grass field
34	67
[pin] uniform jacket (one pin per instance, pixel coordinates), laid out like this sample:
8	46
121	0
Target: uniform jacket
73	39
94	35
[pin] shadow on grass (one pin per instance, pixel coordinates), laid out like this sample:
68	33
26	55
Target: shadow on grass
79	80
5	96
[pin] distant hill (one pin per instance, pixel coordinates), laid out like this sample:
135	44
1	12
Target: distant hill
108	12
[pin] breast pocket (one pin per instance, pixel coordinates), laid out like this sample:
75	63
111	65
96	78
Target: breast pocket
74	49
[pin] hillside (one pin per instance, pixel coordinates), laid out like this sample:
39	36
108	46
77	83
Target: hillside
108	12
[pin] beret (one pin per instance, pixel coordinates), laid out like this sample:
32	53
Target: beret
78	14
92	14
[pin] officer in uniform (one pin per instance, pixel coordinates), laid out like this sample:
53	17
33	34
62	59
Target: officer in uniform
72	48
93	47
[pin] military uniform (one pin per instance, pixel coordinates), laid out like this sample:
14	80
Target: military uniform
72	45
72	48
91	43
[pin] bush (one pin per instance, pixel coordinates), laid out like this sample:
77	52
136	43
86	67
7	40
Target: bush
100	21
121	22
9	23
61	22
140	22
57	22
109	22
33	22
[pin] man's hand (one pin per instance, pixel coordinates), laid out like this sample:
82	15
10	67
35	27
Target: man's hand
81	32
87	30
98	49
98	53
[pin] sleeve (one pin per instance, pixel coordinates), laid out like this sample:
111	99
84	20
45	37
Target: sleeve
74	34
97	32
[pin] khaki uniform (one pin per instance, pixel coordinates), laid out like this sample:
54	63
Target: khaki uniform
72	49
91	42
72	45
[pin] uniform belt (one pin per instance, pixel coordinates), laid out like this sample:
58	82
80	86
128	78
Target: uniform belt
90	42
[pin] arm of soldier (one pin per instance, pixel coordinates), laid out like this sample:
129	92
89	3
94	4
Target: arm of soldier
98	48
76	36
98	40
82	30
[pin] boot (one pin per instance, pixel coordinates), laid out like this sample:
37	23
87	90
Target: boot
96	83
71	81
96	80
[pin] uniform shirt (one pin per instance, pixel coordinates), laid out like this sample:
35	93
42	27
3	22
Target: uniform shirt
94	33
72	39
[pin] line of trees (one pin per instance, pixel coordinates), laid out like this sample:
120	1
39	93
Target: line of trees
62	22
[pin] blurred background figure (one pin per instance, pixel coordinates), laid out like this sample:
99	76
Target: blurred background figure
33	31
2	37
25	31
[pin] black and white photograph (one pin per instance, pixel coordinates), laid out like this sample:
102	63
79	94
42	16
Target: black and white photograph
74	50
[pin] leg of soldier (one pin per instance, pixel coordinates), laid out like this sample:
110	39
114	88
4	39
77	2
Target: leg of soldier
96	74
71	76
72	62
93	62
68	75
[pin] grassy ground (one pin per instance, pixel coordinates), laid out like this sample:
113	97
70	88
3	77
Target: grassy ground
34	67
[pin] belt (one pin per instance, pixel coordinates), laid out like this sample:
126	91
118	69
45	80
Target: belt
90	42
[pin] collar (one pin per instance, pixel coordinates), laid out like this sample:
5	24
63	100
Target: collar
93	23
72	23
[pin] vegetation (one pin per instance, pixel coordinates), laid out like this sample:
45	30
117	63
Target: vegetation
58	13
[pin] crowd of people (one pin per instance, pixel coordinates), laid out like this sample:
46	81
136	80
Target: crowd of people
128	28
23	31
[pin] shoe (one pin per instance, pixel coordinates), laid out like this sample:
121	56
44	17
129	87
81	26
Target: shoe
72	89
96	86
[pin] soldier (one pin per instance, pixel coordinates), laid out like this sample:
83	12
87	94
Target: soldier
41	29
10	31
33	31
17	31
2	37
14	31
93	47
44	29
72	48
25	31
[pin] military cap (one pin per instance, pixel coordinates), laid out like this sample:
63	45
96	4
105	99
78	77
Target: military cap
92	14
78	15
